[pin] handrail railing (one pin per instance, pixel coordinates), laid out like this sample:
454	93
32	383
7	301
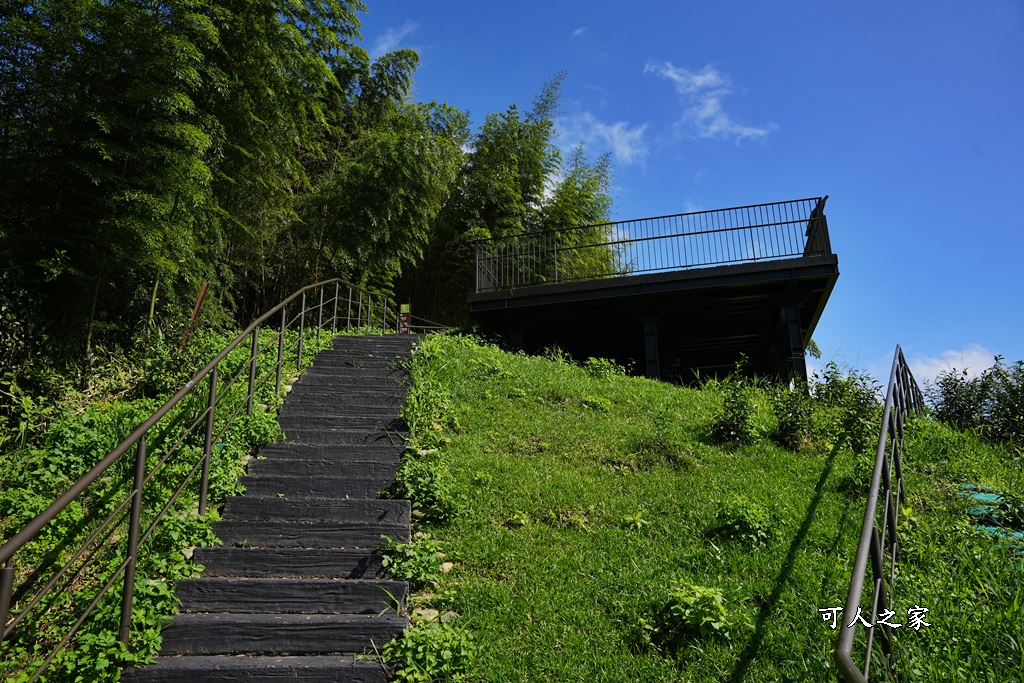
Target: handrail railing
743	234
337	303
879	541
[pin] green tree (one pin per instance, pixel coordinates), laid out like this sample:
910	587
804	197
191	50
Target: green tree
514	185
388	168
157	142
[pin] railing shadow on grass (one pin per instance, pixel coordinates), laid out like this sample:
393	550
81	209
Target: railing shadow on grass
753	646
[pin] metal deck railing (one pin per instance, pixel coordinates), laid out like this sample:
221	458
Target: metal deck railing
879	541
744	234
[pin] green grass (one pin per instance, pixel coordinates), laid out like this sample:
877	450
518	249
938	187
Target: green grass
580	501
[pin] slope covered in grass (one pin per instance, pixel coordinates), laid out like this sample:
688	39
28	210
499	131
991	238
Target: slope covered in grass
590	515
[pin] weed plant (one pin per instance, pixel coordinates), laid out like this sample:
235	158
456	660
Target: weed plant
992	403
585	504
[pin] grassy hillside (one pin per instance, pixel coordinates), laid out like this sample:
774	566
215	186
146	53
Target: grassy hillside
599	532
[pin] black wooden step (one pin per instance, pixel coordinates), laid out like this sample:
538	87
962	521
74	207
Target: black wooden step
291	596
343	436
247	533
295	467
345	563
376	452
353	372
365	359
326	408
297	634
257	669
339	422
375	343
391	398
275	509
335	488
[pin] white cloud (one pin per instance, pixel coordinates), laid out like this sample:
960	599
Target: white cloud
626	144
579	32
689	82
703	91
392	38
973	358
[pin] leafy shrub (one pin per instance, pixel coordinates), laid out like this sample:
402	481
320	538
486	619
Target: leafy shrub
424	478
848	407
743	418
431	652
1005	407
691	612
742	519
958	399
992	403
794	411
419	562
602	368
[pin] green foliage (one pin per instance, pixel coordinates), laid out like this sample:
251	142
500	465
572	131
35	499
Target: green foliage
85	427
252	145
418	562
849	407
794	411
513	183
690	612
743	416
601	368
423	477
431	652
992	403
745	520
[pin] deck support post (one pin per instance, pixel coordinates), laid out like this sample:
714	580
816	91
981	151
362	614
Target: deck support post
650	320
797	365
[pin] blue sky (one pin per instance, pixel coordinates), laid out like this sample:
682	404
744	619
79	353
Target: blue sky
910	115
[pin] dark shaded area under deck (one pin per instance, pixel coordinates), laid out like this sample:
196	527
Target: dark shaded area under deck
674	325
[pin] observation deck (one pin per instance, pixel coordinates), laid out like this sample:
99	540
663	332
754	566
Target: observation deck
680	297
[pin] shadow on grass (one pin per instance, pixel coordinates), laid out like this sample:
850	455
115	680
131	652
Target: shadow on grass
754	644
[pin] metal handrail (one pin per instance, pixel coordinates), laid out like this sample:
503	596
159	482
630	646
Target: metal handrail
879	541
364	308
754	233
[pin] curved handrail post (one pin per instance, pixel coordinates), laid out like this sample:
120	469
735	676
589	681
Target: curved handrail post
320	315
348	318
334	315
204	484
280	349
135	519
302	332
6	593
252	370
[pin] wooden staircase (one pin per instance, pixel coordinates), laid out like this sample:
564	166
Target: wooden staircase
298	588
